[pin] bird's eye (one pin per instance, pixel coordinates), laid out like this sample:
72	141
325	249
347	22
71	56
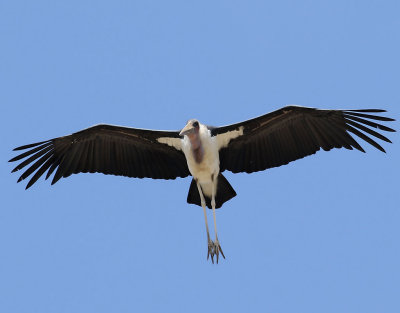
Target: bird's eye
196	124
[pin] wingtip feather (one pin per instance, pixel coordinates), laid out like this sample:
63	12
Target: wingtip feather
30	145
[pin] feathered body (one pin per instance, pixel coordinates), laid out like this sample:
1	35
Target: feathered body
202	168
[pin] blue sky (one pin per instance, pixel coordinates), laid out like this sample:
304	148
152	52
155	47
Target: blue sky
318	235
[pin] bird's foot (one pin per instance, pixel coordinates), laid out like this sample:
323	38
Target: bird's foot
214	249
210	251
218	249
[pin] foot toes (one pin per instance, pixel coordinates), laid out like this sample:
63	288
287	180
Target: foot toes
214	249
218	249
222	253
210	251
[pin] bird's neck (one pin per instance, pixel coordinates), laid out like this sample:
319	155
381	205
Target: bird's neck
197	147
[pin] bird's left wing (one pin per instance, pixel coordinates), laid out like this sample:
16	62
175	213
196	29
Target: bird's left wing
291	133
106	149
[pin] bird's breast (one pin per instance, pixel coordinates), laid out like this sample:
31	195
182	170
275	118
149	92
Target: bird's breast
203	162
198	154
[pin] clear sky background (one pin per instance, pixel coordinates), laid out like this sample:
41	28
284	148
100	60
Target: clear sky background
318	235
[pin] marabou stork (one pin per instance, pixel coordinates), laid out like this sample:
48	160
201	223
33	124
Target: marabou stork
271	140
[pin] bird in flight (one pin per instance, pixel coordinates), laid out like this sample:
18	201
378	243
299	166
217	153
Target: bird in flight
204	152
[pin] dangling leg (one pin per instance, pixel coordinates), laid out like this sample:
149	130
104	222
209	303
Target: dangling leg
217	246
203	205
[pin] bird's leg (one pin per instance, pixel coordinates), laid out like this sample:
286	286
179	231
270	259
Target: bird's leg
209	241
217	246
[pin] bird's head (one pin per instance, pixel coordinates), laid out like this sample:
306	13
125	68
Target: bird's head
192	127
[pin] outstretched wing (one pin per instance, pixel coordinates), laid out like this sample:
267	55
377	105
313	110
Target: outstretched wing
292	133
106	149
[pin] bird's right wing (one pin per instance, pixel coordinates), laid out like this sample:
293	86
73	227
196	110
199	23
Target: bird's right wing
291	133
106	149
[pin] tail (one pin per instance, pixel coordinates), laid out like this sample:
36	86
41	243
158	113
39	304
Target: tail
225	192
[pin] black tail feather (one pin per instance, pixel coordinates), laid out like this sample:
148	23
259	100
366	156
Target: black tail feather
225	192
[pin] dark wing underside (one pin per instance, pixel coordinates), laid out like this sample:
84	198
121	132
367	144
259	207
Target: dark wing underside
294	132
104	149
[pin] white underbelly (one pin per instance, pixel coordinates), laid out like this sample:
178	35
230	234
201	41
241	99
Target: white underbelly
209	165
203	172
